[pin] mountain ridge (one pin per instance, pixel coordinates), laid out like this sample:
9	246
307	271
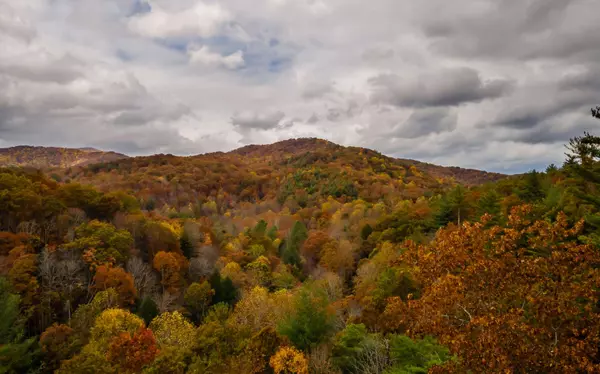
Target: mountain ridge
62	157
41	157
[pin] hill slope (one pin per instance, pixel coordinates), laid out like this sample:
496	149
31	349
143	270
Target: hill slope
304	170
288	148
54	157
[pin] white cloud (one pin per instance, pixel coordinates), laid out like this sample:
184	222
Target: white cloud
205	56
203	20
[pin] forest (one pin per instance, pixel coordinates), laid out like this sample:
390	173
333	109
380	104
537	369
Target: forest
300	257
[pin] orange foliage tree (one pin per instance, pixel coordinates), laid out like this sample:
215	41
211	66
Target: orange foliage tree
130	353
521	297
170	265
108	277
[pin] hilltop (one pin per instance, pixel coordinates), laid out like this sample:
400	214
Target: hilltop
54	157
311	169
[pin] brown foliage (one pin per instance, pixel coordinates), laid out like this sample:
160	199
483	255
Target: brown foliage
521	297
121	281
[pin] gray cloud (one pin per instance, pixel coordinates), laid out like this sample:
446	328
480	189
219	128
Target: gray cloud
427	121
257	121
479	83
527	29
447	88
316	90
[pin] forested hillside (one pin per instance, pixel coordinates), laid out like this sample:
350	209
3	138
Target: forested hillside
300	257
53	157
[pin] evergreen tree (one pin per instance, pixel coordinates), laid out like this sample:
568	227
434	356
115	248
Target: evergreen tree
583	165
225	290
147	309
186	245
531	190
291	251
310	322
490	203
454	207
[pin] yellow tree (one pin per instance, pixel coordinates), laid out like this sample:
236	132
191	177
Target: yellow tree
289	360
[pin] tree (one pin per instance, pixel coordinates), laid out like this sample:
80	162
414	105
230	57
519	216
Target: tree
454	207
22	274
490	203
531	188
225	291
415	356
144	278
101	244
291	251
110	323
86	314
58	343
583	164
262	346
310	322
131	352
288	360
337	257
523	295
173	330
366	231
17	354
349	345
147	309
117	279
170	265
197	298
312	247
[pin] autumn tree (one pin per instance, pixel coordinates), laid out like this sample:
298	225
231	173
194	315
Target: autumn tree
197	298
173	330
117	279
101	244
521	296
289	360
170	265
131	352
58	343
110	323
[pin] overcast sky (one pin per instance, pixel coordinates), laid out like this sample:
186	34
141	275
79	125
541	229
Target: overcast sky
492	84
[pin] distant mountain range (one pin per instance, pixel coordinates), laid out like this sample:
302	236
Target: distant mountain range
54	157
293	149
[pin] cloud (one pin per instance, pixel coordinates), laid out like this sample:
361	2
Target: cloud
201	20
449	87
528	29
262	121
427	121
204	56
316	90
488	84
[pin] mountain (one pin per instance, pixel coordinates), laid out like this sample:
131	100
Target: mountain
288	148
309	170
54	157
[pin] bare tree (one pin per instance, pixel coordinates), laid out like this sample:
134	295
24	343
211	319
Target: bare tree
165	302
319	361
144	278
64	276
375	357
29	227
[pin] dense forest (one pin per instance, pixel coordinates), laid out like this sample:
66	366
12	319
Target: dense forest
300	257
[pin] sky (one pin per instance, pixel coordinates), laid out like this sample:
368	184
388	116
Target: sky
499	85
